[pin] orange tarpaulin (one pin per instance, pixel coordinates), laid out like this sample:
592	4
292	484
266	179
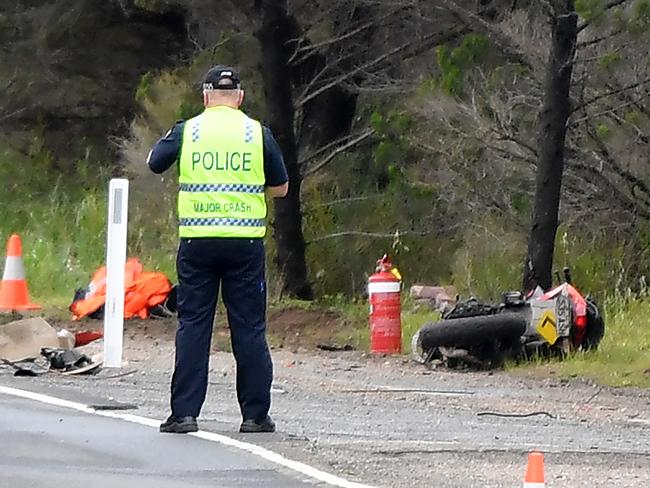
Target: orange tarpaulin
142	291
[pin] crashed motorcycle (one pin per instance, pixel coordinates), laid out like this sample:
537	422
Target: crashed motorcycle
520	327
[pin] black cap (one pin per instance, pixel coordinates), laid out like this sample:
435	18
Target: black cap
221	77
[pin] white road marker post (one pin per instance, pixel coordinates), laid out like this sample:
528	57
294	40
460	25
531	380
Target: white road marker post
118	207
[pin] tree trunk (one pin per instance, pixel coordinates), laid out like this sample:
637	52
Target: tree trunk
274	34
329	116
552	129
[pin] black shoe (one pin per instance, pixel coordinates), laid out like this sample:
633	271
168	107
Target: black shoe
179	425
250	425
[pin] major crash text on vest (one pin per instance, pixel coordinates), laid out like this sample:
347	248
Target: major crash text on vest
229	207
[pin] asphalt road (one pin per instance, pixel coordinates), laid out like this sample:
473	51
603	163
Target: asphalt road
46	446
393	424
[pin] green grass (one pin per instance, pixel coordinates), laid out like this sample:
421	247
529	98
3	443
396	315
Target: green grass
623	358
62	223
412	320
61	226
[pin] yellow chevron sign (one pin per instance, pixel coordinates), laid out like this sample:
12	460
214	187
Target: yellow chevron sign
547	326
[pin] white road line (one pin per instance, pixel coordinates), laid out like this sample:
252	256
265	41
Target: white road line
639	421
258	451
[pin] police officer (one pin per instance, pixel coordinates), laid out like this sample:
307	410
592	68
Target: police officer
227	162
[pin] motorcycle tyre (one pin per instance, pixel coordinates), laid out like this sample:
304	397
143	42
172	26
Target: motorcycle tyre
471	331
595	327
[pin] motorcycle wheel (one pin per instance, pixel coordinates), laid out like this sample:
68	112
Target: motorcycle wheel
595	327
471	331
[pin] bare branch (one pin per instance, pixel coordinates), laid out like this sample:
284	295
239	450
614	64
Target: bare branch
605	112
375	235
517	140
610	93
431	39
507	45
599	179
327	147
351	143
384	87
13	114
638	187
10	82
609	6
316	78
593	59
343	201
511	155
309	50
598	40
320	17
546	5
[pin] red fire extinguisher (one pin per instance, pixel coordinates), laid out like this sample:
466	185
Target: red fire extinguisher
385	308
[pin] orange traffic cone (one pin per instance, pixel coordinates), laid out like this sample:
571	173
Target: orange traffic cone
13	289
535	471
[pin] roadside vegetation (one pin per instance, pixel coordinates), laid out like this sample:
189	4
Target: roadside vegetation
415	134
623	357
63	231
62	223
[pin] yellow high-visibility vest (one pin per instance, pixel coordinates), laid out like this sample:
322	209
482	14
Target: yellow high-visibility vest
221	180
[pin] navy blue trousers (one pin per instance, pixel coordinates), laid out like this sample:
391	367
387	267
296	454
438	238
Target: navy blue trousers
237	266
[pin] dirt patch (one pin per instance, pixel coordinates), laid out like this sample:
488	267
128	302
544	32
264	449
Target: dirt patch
290	328
296	328
158	329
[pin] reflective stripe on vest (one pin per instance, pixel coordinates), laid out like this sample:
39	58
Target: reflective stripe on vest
223	222
222	188
221	180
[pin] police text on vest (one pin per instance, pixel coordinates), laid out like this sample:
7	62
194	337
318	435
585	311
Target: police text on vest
229	161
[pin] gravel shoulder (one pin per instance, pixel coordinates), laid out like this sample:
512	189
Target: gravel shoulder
392	423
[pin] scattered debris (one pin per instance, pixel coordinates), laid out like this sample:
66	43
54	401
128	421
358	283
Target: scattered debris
33	347
86	337
66	339
516	415
335	347
27	367
591	398
24	339
91	368
351	367
70	361
389	389
118	375
113	406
